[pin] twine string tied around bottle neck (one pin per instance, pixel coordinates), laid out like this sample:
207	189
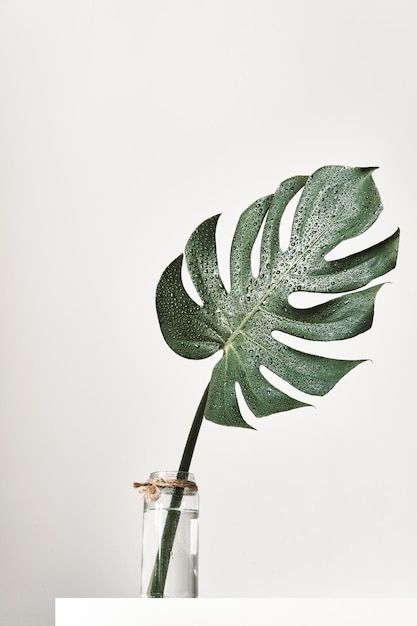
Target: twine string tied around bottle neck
151	489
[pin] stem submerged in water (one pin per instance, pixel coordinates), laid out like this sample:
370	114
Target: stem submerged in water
160	570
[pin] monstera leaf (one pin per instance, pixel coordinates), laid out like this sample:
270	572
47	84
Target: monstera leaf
337	203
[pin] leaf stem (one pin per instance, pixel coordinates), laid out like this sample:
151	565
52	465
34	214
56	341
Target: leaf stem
193	434
160	570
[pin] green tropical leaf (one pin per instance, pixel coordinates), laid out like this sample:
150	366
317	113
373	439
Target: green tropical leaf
337	203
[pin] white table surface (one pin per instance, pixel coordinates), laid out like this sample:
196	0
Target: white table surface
241	611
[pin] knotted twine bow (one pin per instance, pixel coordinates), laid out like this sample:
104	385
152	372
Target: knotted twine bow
151	489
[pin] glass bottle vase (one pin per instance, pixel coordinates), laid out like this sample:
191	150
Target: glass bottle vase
170	538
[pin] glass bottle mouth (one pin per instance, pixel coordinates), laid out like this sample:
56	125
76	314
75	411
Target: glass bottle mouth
169	481
172	475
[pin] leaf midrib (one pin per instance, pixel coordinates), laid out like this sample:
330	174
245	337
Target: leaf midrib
274	286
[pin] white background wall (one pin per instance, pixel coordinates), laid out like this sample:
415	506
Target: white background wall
123	126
